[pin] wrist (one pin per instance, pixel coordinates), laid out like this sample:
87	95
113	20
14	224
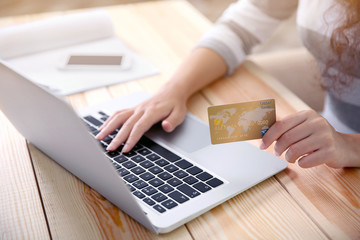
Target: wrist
352	143
182	88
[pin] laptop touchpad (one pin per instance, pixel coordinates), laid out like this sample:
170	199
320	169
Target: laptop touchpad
190	136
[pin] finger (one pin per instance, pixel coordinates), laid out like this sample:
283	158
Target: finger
107	121
291	137
124	132
305	146
111	118
280	127
313	159
175	118
140	127
116	121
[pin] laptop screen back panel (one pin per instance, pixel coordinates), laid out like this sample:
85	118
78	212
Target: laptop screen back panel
53	127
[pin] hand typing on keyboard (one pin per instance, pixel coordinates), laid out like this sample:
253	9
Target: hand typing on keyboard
168	106
199	69
159	177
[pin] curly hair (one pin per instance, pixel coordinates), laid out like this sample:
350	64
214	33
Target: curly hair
345	44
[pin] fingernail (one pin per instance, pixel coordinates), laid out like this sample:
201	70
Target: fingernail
98	136
276	153
287	158
166	126
125	148
262	145
111	146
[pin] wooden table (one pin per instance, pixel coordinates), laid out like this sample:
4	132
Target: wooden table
41	200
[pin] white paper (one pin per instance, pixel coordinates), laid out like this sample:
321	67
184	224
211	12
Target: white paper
39	50
55	32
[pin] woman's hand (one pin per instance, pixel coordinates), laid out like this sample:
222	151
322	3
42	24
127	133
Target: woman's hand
200	68
309	137
168	106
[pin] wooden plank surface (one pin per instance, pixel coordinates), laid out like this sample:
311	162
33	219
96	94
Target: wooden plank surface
265	211
21	211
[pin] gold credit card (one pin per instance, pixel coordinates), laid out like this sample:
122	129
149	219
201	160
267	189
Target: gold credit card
241	121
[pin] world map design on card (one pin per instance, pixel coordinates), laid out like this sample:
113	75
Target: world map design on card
241	121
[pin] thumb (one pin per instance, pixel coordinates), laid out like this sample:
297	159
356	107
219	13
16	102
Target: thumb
175	118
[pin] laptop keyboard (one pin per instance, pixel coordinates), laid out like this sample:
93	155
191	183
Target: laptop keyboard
157	176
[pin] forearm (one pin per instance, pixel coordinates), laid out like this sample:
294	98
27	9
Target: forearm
353	150
199	69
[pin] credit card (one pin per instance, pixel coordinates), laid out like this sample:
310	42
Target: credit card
241	121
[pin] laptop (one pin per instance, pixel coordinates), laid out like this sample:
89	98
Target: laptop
167	180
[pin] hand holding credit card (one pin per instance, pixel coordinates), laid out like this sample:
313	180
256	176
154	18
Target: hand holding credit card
241	121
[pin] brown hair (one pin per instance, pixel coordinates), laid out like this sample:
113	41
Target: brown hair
345	44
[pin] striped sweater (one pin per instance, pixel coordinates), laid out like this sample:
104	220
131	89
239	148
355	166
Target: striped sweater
247	23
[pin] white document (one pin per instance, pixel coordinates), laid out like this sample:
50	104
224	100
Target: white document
39	50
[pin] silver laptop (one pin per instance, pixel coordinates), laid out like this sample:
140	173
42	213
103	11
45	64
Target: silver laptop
164	182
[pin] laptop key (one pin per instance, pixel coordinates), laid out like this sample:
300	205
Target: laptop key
159	208
179	197
138	170
146	176
107	139
140	184
93	120
174	182
137	147
180	174
166	188
92	129
188	191
214	182
112	154
117	166
156	182
171	168
172	157
183	164
149	190
204	176
148	201
120	159
119	149
129	164
102	113
123	172
131	188
159	197
155	170
144	151
152	157
139	194
162	162
138	158
147	164
202	187
113	134
131	178
95	132
165	176
194	170
103	145
130	154
190	180
169	204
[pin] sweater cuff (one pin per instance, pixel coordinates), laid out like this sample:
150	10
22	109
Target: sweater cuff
224	51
